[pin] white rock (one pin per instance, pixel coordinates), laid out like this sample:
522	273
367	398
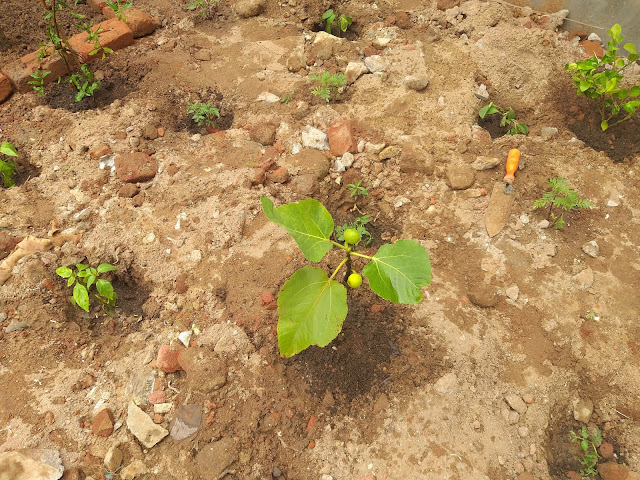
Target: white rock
374	148
381	42
133	470
339	166
374	65
347	159
591	248
524	218
485	163
185	337
543	224
268	97
143	428
612	203
295	148
516	403
482	92
149	238
162	407
513	292
446	384
314	138
361	145
523	431
594	37
416	82
355	70
582	410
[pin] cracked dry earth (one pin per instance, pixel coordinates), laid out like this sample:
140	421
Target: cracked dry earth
520	339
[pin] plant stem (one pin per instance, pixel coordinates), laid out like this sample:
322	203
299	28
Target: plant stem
361	255
346	249
339	267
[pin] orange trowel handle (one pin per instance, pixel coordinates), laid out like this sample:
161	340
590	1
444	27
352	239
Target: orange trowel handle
513	158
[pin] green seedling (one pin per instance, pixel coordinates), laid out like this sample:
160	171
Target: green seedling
508	119
561	197
330	84
356	190
311	305
203	113
359	226
207	7
589	445
288	97
85	83
343	21
86	277
38	81
119	10
600	80
7	165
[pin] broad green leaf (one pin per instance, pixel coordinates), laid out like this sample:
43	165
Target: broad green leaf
487	110
631	107
8	149
615	32
64	272
604	125
90	280
308	222
104	288
398	271
311	309
327	14
81	296
81	266
630	47
105	267
634	91
523	128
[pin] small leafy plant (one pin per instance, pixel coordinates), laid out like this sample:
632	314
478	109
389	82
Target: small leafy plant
85	82
330	84
589	445
508	119
119	10
207	7
562	197
343	21
203	113
359	226
356	190
599	79
83	279
313	306
7	165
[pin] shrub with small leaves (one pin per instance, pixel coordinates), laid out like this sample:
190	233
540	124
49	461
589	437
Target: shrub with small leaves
86	277
562	197
330	84
7	165
600	79
589	445
203	113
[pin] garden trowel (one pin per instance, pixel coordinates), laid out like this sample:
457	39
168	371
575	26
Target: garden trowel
501	201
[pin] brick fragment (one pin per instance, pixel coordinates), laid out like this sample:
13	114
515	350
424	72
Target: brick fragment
5	87
140	23
19	71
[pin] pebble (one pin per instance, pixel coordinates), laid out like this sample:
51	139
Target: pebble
15	326
483	295
134	469
390	152
143	428
543	224
591	248
249	8
102	424
347	159
162	407
582	410
446	384
548	132
523	431
355	70
185	337
606	450
374	148
374	65
268	97
516	403
157	397
512	293
594	37
113	459
612	203
485	163
276	472
460	177
527	398
314	138
524	218
416	82
482	92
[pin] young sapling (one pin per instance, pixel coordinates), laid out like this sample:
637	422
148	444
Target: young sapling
589	445
508	119
357	190
561	197
330	84
341	21
86	277
203	113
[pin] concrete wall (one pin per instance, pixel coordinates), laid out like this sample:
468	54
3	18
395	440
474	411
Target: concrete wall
595	15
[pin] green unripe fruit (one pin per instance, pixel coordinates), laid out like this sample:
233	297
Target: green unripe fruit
354	280
351	236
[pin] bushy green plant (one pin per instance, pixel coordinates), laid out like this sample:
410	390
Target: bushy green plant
562	197
311	305
119	10
58	44
359	226
508	119
207	7
357	190
7	165
330	84
83	279
203	113
589	445
600	79
343	21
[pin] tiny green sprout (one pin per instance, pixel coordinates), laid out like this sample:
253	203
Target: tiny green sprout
207	7
85	83
589	445
330	84
203	113
311	305
343	21
7	164
601	79
508	120
118	9
38	81
562	197
83	279
356	190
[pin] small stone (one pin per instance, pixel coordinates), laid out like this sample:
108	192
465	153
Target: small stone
134	469
390	152
135	167
460	177
158	418
162	408
513	417
548	132
523	431
264	133
606	450
516	403
150	132
113	459
591	248
446	384
524	218
341	138
374	65
276	472
527	398
167	360
512	292
326	476
347	159
594	37
249	8
185	337
483	296
279	175
485	163
49	418
616	471
102	424
582	410
543	224
159	396
381	42
214	458
314	138
482	92
295	63
447	4
355	70
16	325
138	200
143	428
584	280
128	190
416	82
403	20
186	422
268	97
